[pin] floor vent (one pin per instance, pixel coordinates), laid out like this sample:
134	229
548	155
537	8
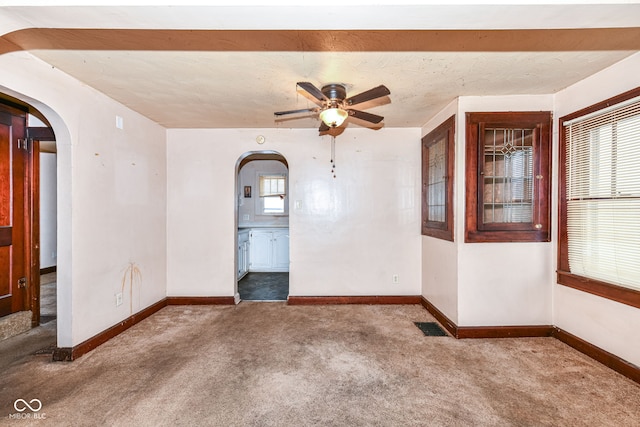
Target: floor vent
431	329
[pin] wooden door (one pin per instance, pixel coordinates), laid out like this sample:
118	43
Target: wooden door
14	213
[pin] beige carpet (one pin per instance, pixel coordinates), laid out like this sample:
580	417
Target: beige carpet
269	364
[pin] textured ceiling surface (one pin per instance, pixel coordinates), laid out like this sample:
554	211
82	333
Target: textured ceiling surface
237	77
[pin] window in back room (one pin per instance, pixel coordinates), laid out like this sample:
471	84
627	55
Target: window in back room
273	194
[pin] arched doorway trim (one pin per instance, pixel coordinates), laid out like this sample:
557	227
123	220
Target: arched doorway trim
64	181
244	159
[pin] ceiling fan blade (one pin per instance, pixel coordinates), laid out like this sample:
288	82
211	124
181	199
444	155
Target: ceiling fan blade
367	117
313	91
368	95
304	110
323	127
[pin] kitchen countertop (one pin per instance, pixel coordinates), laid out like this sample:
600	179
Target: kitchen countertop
248	227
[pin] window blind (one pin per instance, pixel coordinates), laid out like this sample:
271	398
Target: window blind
603	194
272	185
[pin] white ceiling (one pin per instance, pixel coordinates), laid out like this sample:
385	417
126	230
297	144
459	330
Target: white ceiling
227	74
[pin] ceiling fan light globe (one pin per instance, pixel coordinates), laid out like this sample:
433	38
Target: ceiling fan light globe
333	117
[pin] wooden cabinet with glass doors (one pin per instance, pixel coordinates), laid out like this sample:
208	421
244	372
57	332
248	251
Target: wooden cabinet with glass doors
507	177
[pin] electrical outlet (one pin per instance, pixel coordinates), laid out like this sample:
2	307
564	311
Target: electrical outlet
118	299
395	278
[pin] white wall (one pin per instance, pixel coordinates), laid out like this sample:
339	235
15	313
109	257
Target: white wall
501	284
440	257
48	213
350	234
602	322
493	284
111	198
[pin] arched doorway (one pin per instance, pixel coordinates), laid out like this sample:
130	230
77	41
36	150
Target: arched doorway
56	136
24	136
262	222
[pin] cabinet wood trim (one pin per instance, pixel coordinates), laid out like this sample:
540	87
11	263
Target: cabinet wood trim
445	131
475	230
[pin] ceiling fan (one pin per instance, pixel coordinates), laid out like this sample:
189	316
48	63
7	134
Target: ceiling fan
334	106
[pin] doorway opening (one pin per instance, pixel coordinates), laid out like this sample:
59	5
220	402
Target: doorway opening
31	155
48	221
262	221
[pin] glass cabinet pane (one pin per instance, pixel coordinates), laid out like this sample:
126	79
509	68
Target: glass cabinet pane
438	151
507	170
436	189
508	176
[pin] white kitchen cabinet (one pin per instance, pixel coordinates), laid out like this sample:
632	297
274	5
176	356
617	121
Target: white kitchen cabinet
261	252
243	253
280	260
269	249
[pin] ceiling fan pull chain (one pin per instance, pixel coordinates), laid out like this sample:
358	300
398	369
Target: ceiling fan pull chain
333	155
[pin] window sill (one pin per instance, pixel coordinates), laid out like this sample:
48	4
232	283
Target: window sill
602	289
503	236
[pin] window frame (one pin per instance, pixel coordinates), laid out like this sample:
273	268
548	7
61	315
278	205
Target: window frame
260	206
564	277
539	229
445	131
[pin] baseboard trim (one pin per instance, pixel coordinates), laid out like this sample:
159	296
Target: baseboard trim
62	354
201	301
451	327
610	360
48	270
486	331
371	300
504	331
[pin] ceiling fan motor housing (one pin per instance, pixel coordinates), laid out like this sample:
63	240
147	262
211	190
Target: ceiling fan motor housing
335	91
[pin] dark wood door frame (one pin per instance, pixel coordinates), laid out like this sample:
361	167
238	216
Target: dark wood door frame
25	224
33	228
35	135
